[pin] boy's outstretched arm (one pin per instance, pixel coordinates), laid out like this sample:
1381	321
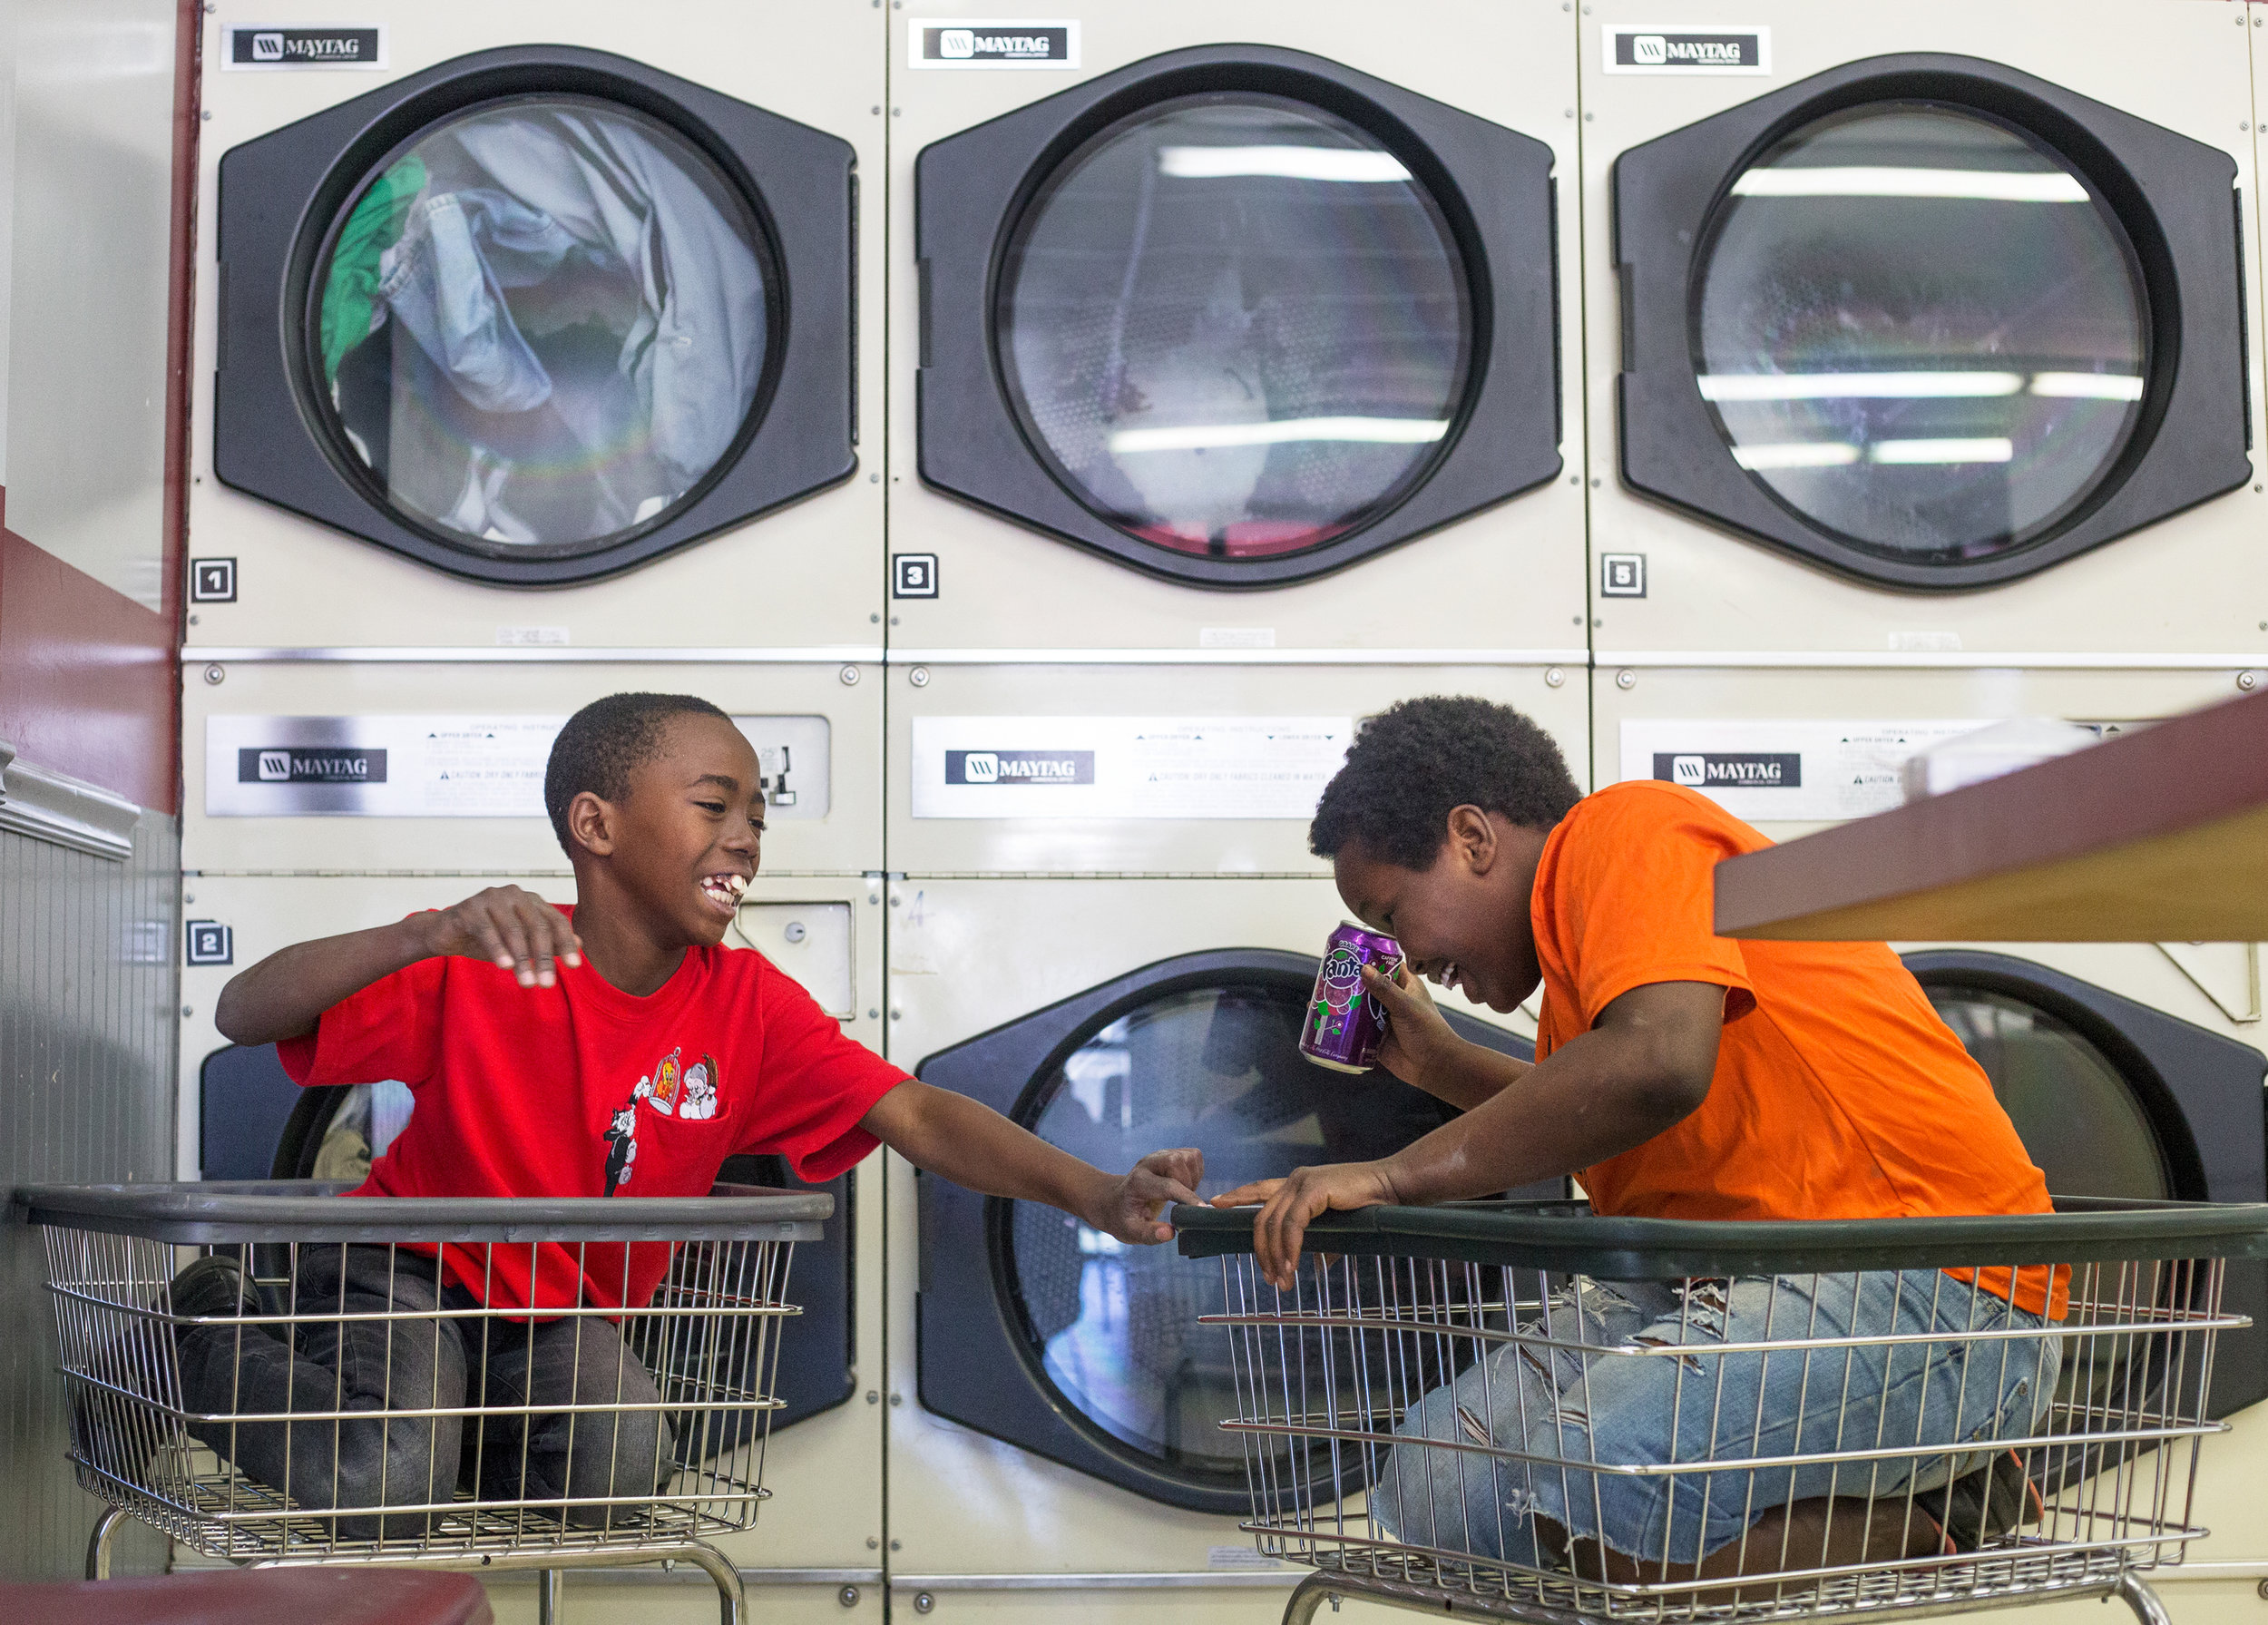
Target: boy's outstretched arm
974	1145
1645	1065
287	993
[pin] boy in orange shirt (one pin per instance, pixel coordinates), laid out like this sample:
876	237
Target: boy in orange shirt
1679	1075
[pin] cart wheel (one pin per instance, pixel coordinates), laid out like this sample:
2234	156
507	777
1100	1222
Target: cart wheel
2147	1606
98	1544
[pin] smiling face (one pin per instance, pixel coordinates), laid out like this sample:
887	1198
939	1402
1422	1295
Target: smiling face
1462	922
685	838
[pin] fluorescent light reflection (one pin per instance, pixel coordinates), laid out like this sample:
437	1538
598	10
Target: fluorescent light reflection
1996	186
1206	436
1837	454
1988	450
1854	386
1796	454
2088	386
1295	164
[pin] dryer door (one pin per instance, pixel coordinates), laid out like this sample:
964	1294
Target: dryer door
535	315
2115	1099
1040	1331
1237	316
1930	321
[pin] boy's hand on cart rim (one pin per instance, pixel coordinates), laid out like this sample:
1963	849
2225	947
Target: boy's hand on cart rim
1131	1206
513	929
1288	1205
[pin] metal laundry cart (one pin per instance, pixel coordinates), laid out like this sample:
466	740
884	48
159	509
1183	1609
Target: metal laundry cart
1418	1412
676	1391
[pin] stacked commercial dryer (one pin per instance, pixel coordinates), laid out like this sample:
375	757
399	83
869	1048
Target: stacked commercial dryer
1921	341
530	371
1233	360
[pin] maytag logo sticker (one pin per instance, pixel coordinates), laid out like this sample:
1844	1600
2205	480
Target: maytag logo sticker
267	47
1020	767
1730	770
309	764
985	43
1654	48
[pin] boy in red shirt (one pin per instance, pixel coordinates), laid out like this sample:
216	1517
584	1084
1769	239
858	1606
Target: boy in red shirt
611	1048
1682	1075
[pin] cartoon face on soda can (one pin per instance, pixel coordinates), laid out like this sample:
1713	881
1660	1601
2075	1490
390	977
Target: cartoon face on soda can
1345	1024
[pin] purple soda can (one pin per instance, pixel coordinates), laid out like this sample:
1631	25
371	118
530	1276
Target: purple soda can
1345	1024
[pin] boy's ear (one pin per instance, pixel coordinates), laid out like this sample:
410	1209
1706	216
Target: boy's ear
591	822
1472	838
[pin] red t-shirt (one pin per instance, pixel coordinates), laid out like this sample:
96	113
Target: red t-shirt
582	1090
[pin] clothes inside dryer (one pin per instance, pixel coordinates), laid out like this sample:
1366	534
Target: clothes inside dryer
542	323
1237	324
1116	1326
1921	328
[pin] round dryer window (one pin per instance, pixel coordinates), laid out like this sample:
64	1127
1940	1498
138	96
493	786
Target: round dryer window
541	325
1920	330
1116	1326
1235	325
2075	1112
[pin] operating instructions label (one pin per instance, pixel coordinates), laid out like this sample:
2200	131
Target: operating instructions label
452	767
1124	767
1799	769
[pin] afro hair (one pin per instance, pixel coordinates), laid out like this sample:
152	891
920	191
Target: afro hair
603	744
1413	763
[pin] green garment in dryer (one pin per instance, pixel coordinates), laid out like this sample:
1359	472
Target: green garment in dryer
351	290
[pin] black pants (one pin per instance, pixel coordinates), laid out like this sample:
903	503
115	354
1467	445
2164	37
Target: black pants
425	1361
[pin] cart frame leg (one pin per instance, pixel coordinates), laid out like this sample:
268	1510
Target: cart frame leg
1308	1596
98	1544
2136	1593
549	1585
731	1595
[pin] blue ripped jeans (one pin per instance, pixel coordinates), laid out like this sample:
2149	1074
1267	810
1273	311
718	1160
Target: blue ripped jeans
1612	1405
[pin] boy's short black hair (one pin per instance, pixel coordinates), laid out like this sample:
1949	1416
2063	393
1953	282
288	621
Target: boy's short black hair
1415	760
603	744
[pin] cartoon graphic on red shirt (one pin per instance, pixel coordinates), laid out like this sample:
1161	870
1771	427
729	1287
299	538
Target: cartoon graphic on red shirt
700	1090
663	1093
621	1142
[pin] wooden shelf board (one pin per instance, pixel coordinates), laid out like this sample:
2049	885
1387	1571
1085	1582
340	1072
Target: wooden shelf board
2160	834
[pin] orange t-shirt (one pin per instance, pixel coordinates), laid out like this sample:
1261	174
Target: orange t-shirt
1838	1092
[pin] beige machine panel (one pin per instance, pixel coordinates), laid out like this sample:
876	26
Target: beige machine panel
825	1471
807	702
1153	828
1737	706
965	956
299	584
1511	577
2193	583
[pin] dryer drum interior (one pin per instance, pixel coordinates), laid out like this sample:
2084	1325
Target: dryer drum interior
538	311
1232	315
332	1133
2117	1100
1930	321
1040	1330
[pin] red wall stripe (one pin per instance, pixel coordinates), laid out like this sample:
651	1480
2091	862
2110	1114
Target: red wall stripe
89	681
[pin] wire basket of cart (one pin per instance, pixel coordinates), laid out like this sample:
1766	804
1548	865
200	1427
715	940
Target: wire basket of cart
1525	1410
355	1398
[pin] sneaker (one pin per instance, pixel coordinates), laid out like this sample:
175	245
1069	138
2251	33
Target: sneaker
1986	1506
